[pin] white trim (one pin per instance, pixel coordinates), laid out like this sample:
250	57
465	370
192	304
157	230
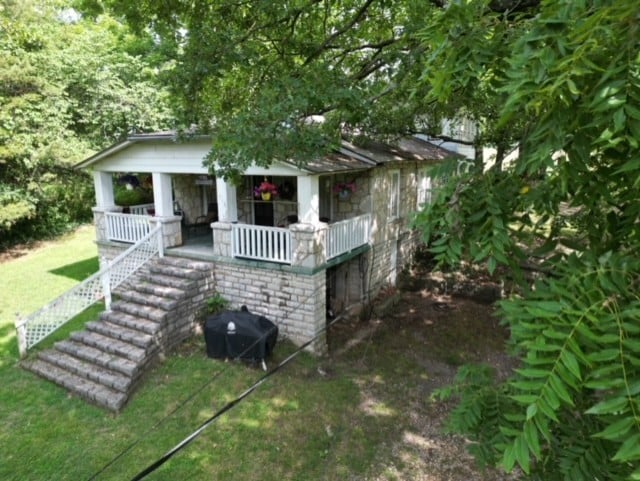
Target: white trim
394	194
425	188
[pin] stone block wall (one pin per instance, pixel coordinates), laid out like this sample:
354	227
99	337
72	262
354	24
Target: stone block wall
295	302
190	196
183	321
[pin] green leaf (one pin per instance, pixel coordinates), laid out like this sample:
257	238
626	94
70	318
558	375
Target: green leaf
526	399
571	363
618	429
548	411
509	458
531	437
560	389
609	406
522	454
491	265
630	450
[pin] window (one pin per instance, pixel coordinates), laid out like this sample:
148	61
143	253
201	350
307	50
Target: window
394	192
425	188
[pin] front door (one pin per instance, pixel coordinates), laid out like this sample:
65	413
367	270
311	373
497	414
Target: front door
263	213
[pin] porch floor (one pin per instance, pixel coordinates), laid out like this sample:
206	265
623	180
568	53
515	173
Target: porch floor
194	247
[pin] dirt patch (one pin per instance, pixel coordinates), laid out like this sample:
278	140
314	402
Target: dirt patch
17	251
423	340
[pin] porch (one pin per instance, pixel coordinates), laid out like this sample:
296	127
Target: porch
296	245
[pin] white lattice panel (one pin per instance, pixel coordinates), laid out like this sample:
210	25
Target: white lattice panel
43	322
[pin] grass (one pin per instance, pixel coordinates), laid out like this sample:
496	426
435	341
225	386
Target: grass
336	418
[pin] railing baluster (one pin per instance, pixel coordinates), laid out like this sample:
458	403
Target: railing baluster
126	227
40	324
262	243
346	235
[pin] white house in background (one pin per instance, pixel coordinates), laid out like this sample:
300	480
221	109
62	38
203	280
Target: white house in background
307	251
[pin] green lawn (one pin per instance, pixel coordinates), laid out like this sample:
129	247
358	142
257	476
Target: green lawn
347	417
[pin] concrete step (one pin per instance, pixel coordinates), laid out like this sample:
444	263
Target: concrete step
100	358
110	345
147	287
122	333
145	299
168	281
111	379
139	310
183	263
175	271
132	322
86	389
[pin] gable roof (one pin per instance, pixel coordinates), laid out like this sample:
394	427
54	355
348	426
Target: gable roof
350	157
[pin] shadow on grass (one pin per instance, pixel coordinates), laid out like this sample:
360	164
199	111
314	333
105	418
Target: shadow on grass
78	270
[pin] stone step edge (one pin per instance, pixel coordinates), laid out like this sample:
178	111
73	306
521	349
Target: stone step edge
121	333
87	370
110	345
83	388
100	358
124	319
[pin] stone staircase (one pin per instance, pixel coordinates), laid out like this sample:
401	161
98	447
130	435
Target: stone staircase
104	363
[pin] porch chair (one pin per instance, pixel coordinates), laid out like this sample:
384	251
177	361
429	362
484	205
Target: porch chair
202	222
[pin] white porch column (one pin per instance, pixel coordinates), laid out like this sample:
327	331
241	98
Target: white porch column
309	199
162	194
103	183
227	201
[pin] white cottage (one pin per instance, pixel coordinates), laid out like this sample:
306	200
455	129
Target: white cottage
330	236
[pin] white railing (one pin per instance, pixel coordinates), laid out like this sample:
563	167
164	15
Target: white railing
40	324
271	244
348	234
126	227
141	209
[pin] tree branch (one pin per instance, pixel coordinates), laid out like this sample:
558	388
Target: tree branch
356	18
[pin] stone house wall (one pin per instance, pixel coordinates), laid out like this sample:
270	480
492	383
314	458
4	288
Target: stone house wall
192	197
295	301
393	241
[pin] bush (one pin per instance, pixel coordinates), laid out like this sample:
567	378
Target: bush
126	197
216	303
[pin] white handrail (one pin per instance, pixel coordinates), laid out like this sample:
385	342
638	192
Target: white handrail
271	244
348	234
126	227
34	328
141	209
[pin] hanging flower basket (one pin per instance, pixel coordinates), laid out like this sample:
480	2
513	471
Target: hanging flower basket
265	191
344	189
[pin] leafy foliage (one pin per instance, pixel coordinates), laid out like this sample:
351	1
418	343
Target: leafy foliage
68	86
568	206
260	72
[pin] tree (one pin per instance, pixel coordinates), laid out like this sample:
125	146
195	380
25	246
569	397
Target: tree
259	72
559	80
68	86
569	203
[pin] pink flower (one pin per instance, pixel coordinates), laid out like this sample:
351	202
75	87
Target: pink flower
265	187
344	187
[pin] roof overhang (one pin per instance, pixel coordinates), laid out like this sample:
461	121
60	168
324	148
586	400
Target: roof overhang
169	153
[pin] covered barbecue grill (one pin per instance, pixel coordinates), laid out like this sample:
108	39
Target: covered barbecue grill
240	334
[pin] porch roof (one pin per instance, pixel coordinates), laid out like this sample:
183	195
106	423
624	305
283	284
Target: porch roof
168	152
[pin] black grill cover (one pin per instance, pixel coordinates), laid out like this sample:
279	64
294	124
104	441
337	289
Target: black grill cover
253	339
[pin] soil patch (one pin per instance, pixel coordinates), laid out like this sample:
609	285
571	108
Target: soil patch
425	336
